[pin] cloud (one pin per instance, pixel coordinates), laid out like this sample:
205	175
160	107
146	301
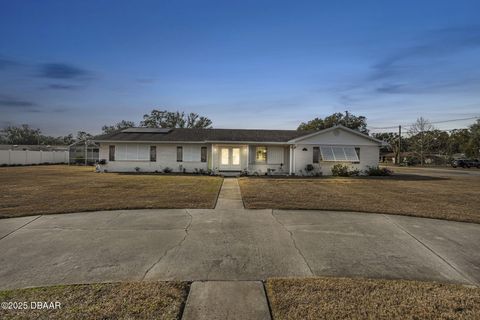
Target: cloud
437	44
62	87
8	103
391	88
62	71
7	63
146	80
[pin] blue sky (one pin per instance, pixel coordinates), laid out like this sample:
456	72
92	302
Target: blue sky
76	65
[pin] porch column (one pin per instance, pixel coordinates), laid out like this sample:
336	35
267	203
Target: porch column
290	164
212	159
248	156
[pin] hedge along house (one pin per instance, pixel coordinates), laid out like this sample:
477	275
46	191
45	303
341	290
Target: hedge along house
232	151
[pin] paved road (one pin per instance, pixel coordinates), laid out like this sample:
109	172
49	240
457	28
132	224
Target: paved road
438	171
233	244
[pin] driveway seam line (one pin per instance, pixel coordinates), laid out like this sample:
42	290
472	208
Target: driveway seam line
19	227
465	276
264	284
294	242
170	249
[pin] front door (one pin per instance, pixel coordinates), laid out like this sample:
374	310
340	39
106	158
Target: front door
230	158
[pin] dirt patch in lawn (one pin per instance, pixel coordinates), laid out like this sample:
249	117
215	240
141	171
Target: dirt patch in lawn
452	198
343	298
143	300
62	189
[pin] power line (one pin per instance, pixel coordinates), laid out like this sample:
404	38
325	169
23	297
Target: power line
434	122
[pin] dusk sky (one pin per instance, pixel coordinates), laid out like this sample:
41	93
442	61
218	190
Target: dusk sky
76	65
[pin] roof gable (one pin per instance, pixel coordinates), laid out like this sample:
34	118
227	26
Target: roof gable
336	135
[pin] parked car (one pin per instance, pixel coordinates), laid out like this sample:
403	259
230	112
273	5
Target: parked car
464	163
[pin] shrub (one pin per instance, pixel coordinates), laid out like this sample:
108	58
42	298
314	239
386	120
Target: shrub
137	169
377	171
342	170
167	170
102	161
309	168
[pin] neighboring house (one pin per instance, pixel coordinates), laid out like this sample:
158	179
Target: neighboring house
236	150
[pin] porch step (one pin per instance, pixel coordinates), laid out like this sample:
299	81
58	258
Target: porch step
230	173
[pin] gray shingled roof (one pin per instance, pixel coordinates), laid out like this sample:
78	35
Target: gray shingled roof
198	135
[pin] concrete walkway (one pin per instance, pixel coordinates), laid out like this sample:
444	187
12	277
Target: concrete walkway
225	300
230	196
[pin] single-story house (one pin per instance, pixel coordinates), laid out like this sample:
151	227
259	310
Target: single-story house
236	150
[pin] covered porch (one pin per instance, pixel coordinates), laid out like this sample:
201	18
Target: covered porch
252	159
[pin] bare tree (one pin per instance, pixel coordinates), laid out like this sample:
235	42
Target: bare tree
421	138
177	119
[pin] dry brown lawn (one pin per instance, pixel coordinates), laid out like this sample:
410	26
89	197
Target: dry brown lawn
62	189
344	298
449	198
143	300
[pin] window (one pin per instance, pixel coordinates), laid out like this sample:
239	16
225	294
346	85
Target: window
357	150
316	154
132	152
335	153
111	153
153	153
179	154
261	154
191	153
203	154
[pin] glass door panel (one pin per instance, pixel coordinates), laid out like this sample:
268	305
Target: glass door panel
224	156
235	156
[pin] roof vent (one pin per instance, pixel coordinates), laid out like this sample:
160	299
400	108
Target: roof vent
147	130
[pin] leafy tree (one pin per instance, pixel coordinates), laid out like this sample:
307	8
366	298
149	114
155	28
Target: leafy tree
392	140
82	135
421	139
168	119
458	141
346	119
23	134
473	149
61	140
124	124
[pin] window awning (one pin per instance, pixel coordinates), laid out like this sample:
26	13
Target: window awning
337	153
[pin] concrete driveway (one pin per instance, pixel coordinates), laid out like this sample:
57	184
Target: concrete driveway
233	244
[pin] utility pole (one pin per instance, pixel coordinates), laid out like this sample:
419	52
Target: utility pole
86	152
399	144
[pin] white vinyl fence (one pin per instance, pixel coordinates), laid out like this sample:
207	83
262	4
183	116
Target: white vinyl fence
26	157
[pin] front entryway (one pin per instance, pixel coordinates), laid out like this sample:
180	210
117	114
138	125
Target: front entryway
229	158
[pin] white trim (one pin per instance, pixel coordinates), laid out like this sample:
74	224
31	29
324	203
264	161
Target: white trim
358	133
193	142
